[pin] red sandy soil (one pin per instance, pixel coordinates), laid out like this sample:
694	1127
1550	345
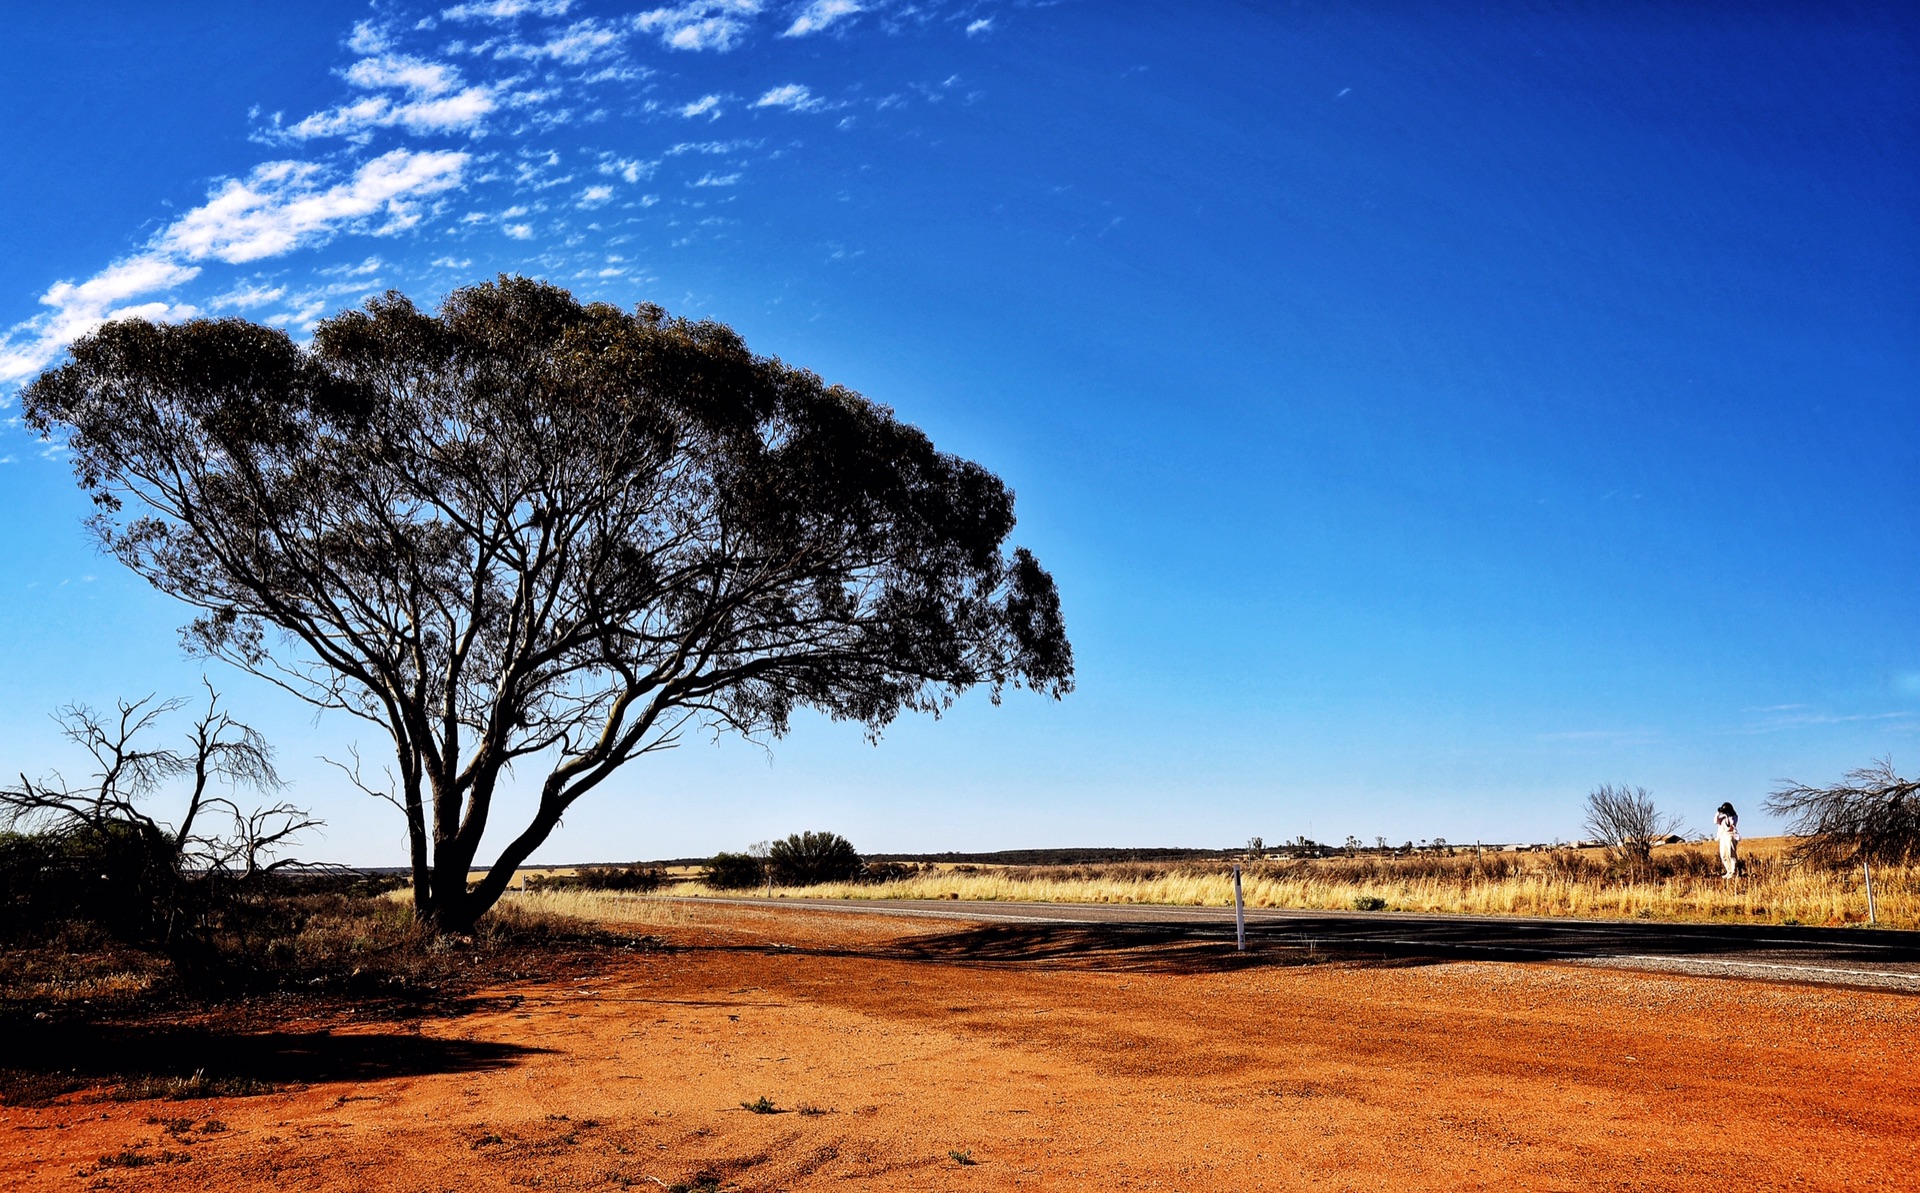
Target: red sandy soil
1050	1059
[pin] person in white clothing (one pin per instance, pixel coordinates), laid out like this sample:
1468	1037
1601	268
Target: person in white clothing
1726	824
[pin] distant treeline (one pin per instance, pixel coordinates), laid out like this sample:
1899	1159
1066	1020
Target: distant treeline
1003	857
1062	857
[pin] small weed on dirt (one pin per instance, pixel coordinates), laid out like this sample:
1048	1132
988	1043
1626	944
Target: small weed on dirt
964	1159
763	1106
130	1158
186	1089
810	1110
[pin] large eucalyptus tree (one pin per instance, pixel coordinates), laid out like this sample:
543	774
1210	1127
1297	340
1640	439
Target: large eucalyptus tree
525	530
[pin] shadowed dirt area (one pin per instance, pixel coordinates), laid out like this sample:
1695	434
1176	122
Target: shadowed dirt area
904	1054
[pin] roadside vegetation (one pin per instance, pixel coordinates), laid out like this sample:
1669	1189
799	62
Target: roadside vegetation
1681	882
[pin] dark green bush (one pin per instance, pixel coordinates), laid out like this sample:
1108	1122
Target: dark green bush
891	871
119	877
643	879
733	872
805	859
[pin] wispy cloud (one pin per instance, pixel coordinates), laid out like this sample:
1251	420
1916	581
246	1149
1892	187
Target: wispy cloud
282	206
514	72
78	308
983	25
700	24
277	208
576	45
246	297
431	99
1792	717
711	147
630	169
793	96
820	14
506	10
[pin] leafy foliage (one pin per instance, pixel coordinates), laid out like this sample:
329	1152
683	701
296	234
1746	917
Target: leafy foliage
525	528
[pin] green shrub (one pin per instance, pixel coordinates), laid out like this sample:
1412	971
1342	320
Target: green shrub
805	859
733	872
1369	903
641	879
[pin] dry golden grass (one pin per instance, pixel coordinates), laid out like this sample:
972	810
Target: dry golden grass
1565	883
604	907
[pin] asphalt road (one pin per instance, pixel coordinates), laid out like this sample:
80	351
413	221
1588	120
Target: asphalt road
1863	957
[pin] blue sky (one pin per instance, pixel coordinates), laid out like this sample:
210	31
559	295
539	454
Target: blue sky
1428	414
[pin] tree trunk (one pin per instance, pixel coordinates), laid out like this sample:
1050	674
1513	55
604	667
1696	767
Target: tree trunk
493	884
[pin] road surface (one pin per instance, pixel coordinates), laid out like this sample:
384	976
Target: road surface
1864	957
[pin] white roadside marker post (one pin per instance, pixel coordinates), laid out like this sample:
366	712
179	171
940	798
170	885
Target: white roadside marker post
1239	914
1867	868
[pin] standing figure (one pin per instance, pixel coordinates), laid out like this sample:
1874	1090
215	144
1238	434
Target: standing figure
1726	824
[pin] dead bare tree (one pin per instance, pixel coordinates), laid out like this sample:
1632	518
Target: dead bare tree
1626	820
1872	815
214	837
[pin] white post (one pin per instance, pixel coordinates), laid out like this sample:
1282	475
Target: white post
1867	868
1239	914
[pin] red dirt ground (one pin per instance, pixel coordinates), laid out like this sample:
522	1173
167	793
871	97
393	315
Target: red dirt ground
892	1049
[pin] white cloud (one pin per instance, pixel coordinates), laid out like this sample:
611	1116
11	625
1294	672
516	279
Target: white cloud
712	179
433	101
701	107
282	206
246	297
715	147
576	45
78	308
631	169
403	71
819	14
367	267
595	196
793	95
368	38
519	231
464	112
277	208
506	10
983	25
699	24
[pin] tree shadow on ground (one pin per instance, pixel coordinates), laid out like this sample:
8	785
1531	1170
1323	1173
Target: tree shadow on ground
1127	948
1375	944
44	1060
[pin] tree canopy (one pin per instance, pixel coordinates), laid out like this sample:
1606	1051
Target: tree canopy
526	528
